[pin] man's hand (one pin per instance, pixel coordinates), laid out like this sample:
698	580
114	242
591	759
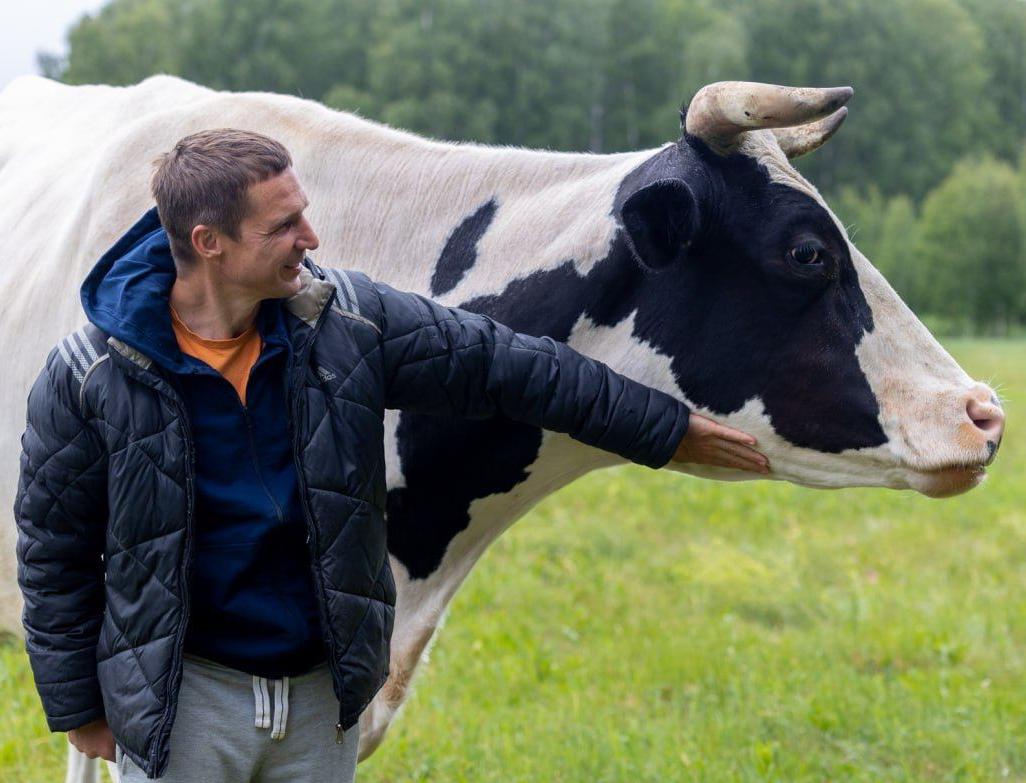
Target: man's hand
94	739
709	443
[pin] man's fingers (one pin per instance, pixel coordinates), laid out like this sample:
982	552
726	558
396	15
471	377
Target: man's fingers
729	433
751	467
707	427
746	452
730	461
740	448
733	459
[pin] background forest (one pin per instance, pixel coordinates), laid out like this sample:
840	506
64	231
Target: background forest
929	172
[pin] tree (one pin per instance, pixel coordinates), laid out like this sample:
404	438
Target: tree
126	42
917	68
886	231
973	245
1003	25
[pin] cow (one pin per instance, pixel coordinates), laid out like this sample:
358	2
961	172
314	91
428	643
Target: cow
708	267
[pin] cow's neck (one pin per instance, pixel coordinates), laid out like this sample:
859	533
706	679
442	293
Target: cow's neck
526	237
401	198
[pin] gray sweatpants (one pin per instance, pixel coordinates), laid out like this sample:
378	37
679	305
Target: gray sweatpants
232	727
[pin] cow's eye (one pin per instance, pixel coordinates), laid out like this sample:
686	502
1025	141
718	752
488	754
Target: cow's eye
806	254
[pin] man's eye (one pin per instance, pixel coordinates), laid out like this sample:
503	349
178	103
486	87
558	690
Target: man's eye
285	225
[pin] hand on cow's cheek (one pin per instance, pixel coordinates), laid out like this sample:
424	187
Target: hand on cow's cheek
709	443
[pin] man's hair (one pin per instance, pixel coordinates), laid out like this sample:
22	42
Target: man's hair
204	179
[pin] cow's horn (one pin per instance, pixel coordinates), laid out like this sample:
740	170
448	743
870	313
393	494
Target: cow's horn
801	139
721	111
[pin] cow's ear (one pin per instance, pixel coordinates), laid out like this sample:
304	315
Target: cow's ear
661	220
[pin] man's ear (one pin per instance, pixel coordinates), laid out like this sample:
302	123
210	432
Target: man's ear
205	243
662	221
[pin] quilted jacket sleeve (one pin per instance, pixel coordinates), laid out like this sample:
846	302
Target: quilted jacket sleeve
61	509
446	360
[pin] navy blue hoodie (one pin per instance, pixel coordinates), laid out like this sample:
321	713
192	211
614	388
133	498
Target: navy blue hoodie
252	595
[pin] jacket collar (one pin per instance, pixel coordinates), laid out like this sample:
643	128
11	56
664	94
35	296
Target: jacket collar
312	297
126	295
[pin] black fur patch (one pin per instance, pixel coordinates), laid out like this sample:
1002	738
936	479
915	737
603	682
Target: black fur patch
737	317
460	251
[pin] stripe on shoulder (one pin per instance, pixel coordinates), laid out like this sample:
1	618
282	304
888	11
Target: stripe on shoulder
348	304
79	351
344	286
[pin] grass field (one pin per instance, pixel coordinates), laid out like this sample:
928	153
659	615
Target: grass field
639	626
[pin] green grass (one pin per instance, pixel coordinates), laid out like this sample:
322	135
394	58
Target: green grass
640	626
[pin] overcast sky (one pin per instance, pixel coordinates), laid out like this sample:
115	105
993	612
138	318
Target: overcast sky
27	27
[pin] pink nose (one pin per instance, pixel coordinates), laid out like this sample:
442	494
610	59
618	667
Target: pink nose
988	417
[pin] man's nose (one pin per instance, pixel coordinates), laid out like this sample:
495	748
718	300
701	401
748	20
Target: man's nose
309	238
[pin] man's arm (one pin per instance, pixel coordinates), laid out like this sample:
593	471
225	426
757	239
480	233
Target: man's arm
447	360
61	511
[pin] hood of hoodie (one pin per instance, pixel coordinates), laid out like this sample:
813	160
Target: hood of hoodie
127	294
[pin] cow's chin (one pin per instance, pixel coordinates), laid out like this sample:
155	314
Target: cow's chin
946	482
941	483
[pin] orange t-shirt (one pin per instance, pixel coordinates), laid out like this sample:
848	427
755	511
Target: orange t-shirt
232	357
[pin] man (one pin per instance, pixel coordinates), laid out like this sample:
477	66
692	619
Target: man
201	534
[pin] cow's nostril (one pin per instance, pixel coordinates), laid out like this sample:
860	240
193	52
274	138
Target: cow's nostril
988	418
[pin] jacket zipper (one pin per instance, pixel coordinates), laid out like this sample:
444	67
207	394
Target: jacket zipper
176	664
312	544
311	531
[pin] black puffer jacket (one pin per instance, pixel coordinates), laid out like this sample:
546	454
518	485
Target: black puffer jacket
104	506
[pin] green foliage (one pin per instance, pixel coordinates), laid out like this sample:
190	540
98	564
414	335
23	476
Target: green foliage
973	245
962	263
127	41
918	72
1003	25
934	79
643	626
886	231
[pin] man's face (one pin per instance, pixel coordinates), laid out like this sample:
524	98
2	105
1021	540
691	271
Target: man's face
273	238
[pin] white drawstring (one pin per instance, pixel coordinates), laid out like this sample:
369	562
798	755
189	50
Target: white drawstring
281	707
262	703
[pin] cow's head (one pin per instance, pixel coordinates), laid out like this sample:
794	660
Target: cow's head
775	323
